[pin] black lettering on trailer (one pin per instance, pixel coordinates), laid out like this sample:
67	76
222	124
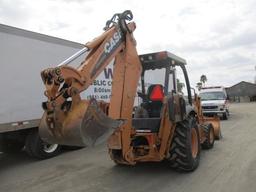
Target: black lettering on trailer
108	72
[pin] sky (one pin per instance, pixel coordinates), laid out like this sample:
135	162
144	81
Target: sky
216	37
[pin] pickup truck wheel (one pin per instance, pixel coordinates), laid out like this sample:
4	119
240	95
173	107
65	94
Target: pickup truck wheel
225	116
37	148
185	147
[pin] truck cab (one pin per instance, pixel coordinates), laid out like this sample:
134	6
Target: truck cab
214	101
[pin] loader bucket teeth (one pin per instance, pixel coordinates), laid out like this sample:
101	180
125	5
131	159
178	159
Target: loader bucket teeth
96	126
85	125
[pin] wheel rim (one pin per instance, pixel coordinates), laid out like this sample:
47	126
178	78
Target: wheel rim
49	148
194	143
211	136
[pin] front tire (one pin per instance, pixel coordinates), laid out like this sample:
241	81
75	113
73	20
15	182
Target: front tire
185	148
209	134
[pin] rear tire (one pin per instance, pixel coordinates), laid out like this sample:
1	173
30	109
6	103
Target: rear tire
37	148
209	134
185	148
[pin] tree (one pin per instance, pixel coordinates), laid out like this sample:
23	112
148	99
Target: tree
203	79
180	86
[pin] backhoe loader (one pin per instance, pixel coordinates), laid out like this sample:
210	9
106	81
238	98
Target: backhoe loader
164	127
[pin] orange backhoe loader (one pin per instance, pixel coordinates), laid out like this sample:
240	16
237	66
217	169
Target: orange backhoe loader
164	127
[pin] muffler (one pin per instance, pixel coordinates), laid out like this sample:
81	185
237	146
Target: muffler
85	124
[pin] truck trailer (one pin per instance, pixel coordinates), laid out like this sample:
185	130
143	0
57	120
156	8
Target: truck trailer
24	54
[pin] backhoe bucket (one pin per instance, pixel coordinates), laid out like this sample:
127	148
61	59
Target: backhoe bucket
85	124
215	121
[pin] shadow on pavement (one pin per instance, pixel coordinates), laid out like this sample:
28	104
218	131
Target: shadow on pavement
17	159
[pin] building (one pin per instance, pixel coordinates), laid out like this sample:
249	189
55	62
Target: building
242	92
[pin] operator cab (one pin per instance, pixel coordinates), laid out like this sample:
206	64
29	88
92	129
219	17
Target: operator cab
154	101
147	116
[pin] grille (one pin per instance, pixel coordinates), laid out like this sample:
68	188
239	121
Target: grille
210	107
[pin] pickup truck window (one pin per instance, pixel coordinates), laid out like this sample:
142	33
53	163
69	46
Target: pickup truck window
212	96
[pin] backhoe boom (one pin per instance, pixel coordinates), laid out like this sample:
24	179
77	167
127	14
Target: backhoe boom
66	113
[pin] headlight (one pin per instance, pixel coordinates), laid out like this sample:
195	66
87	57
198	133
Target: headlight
222	107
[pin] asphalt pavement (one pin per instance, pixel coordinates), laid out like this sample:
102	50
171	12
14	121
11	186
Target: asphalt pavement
229	167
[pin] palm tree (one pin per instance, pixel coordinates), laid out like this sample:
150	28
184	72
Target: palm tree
199	86
203	79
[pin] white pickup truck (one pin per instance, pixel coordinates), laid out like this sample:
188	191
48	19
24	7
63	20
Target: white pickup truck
215	101
24	54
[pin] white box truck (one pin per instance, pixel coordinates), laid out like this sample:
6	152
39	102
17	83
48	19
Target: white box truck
24	54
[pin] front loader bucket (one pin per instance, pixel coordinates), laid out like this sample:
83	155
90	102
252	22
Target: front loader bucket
83	125
215	121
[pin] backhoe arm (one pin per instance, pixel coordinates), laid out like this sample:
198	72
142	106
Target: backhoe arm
70	120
